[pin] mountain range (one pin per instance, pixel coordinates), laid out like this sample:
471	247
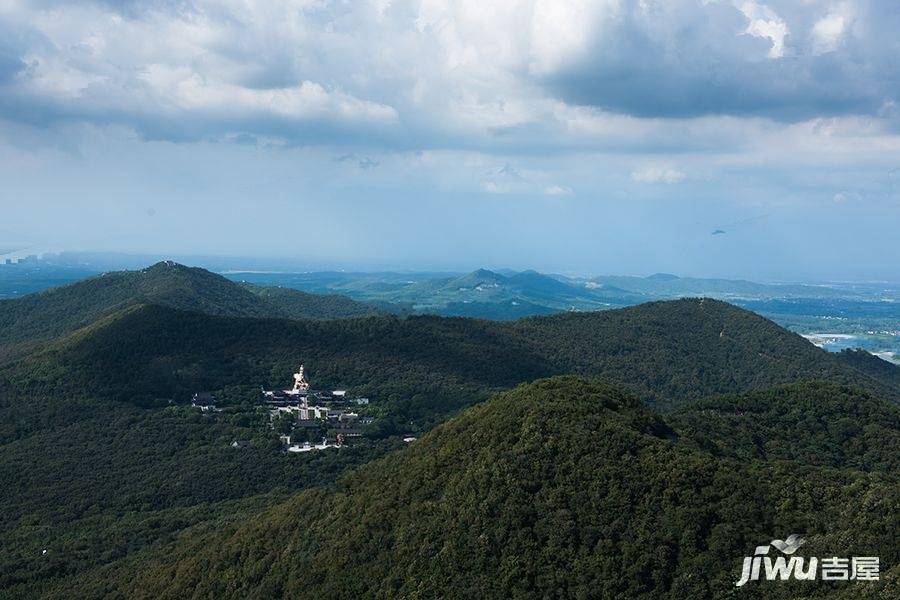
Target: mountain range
512	294
481	293
862	315
633	452
666	352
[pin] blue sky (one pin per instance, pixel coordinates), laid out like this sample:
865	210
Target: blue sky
580	136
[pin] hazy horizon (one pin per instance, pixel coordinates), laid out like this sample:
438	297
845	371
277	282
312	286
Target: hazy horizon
232	264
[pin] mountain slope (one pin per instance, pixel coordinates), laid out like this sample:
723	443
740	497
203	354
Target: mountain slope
426	364
482	293
871	365
476	278
668	353
541	284
814	423
294	304
561	488
94	482
671	351
27	321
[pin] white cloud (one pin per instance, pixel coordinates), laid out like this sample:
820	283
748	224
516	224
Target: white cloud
844	196
658	175
187	90
557	190
829	31
561	30
765	23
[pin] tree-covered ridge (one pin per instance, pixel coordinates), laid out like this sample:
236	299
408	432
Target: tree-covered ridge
294	304
561	488
421	368
813	423
427	367
670	351
871	365
42	316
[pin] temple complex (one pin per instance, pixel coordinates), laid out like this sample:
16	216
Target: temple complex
330	412
303	415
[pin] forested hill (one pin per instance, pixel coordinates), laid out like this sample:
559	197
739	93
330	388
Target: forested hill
665	352
294	304
149	354
579	470
882	370
561	488
691	348
38	317
812	423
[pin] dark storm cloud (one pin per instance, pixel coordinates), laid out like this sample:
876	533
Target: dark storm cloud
790	90
703	59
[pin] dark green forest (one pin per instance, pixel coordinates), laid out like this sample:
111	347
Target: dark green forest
665	352
561	488
813	423
713	430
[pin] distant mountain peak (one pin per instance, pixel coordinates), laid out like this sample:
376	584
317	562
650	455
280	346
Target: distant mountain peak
166	266
485	273
37	318
479	276
662	277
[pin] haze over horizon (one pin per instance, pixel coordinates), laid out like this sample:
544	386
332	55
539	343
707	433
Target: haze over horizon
755	140
86	262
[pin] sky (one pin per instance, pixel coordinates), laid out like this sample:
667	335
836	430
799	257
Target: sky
698	137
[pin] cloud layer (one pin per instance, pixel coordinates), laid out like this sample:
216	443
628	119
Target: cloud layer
432	73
